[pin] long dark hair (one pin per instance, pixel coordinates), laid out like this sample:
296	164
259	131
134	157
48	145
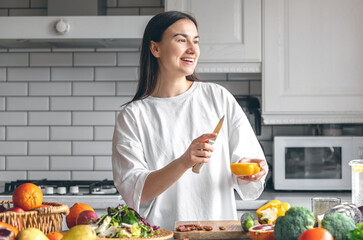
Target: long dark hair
149	67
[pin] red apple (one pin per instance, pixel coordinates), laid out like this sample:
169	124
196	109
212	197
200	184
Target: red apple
16	209
87	217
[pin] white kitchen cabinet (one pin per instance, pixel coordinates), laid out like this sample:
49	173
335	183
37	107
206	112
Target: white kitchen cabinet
230	33
312	61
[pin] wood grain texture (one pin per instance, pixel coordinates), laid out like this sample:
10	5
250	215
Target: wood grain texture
233	230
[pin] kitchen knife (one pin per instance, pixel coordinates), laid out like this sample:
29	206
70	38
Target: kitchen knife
197	166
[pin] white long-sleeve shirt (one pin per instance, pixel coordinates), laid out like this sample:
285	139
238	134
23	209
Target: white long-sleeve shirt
152	132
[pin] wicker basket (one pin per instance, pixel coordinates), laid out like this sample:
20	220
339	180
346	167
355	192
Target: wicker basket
49	219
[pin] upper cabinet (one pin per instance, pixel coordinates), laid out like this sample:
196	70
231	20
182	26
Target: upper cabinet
313	61
230	33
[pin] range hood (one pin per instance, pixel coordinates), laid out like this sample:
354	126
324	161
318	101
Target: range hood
86	30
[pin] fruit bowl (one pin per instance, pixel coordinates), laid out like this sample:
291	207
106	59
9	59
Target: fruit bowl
47	219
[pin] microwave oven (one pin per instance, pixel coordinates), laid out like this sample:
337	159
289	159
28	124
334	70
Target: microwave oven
314	162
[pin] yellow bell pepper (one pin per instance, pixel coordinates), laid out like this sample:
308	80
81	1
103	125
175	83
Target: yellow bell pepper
269	212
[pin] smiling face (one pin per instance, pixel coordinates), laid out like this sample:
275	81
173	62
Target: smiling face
178	50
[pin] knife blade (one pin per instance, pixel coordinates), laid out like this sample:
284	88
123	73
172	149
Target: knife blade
197	166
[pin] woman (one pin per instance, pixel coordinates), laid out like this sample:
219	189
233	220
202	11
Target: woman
164	131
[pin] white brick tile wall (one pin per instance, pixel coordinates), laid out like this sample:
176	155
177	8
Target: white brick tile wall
151	11
58	110
2	163
7	176
139	3
27	133
13	148
94	89
128	59
73	49
93	118
122	11
38	3
51	59
116	73
94	59
28	12
13	89
103	163
28	74
27	103
71	163
49	118
92	148
92	175
126	88
50	89
103	133
71	74
2	133
71	133
111	3
23	50
50	148
13	118
27	163
4	12
71	103
14	3
14	59
50	175
2	103
110	103
2	74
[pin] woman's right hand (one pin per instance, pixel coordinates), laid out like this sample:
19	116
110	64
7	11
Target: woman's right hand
199	150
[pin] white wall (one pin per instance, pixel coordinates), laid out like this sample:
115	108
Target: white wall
58	106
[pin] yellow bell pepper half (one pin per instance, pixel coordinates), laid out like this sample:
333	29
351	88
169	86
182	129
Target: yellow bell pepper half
268	213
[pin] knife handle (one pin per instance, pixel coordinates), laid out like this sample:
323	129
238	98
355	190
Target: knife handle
197	167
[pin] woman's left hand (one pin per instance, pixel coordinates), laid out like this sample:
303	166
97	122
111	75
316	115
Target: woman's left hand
254	177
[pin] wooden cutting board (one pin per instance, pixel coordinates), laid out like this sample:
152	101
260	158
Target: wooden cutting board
233	230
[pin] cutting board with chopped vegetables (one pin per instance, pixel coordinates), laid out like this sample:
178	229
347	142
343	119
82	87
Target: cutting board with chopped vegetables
228	229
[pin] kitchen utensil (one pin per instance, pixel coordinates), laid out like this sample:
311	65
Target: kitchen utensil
233	230
197	166
357	181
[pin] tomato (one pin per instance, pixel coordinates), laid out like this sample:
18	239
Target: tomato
316	234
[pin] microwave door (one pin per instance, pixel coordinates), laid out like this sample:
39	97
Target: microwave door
358	147
312	163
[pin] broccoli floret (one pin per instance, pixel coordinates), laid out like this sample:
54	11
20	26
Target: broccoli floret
338	225
295	221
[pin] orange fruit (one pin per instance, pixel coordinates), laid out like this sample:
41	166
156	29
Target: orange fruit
74	211
245	169
54	236
9	227
27	196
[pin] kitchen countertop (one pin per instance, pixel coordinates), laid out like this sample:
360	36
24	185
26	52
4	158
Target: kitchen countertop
295	198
